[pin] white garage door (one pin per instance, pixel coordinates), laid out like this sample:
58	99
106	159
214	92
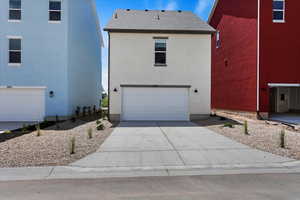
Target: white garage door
155	104
22	104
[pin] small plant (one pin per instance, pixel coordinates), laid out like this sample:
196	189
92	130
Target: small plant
57	122
89	111
98	122
24	128
7	132
77	111
94	109
100	126
38	130
84	111
90	133
246	131
229	125
72	145
282	139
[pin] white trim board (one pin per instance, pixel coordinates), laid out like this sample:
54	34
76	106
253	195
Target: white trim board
284	84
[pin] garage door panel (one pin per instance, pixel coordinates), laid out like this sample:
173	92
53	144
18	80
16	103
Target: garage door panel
155	104
22	104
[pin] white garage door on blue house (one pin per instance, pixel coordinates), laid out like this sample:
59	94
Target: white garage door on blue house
22	104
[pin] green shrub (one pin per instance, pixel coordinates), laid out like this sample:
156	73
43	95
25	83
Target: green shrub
229	125
38	130
104	103
7	132
24	128
90	133
100	127
72	145
98	122
246	131
282	139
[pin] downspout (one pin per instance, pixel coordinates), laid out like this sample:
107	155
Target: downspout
108	77
258	58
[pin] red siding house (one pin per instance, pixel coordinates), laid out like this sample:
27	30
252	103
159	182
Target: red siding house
256	56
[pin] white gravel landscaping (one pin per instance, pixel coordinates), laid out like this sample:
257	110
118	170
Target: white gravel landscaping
53	146
264	135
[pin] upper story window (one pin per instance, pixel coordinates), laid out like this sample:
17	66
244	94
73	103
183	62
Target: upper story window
278	10
15	10
160	51
55	10
15	50
218	40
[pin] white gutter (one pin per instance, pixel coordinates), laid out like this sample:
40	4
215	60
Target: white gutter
283	85
258	55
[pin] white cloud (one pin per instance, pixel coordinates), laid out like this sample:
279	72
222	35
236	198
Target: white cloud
201	6
172	5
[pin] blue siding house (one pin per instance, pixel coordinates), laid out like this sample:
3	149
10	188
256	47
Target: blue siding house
50	58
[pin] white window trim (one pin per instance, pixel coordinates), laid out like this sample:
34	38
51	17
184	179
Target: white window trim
283	10
15	64
165	41
19	9
61	11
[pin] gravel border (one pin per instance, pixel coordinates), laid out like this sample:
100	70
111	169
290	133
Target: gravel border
264	135
52	148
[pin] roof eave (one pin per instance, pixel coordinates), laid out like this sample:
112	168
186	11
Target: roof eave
213	11
159	31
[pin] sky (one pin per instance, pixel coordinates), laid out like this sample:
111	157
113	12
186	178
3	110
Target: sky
106	9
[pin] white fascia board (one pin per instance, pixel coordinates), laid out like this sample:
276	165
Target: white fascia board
284	84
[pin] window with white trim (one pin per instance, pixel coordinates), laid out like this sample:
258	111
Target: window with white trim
278	10
15	12
15	50
55	11
218	40
160	52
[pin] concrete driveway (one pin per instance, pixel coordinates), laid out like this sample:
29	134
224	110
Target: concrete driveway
173	144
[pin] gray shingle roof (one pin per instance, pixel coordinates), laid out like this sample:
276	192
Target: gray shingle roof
157	21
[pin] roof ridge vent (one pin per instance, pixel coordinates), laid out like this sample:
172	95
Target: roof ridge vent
158	18
116	16
179	11
127	9
162	10
146	10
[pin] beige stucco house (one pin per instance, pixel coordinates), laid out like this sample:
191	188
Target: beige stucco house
159	66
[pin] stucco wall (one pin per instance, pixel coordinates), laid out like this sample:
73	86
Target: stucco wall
44	52
234	64
84	56
188	60
279	49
